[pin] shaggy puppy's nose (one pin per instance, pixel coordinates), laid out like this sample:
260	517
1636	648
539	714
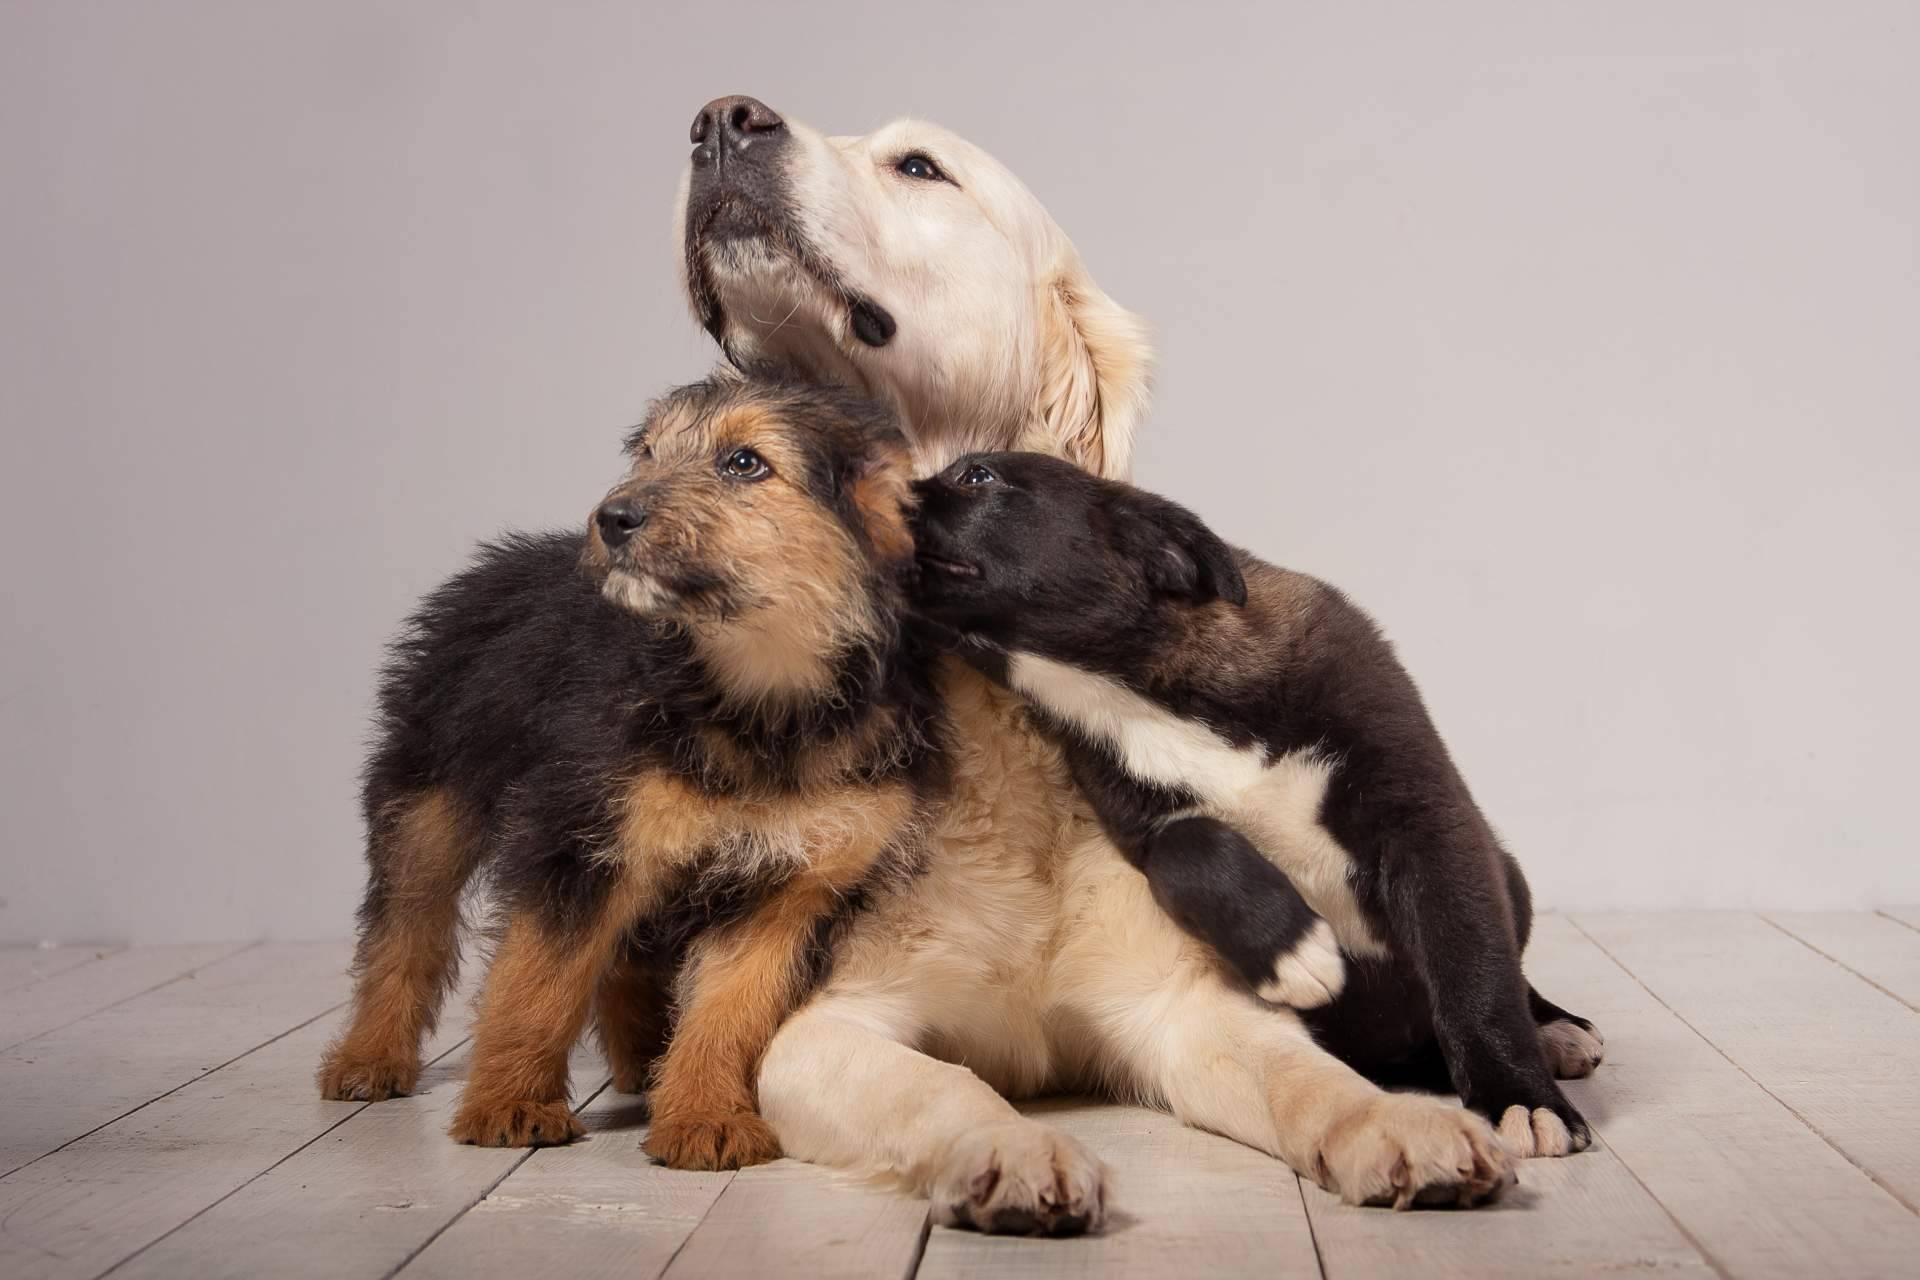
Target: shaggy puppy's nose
727	128
617	519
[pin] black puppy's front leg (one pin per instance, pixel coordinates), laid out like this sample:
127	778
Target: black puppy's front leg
1214	884
1452	921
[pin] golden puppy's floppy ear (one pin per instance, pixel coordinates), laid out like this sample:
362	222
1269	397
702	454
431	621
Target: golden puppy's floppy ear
1095	376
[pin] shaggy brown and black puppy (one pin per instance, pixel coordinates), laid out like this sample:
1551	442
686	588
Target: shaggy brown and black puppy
1215	709
682	741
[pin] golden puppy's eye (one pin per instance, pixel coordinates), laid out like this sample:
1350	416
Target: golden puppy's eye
916	165
745	464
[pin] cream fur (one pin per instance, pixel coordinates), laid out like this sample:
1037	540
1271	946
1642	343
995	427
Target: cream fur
1029	956
1004	340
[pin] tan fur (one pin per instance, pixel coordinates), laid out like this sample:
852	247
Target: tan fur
403	968
535	1005
882	494
773	633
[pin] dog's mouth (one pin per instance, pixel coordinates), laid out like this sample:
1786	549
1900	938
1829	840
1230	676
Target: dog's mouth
732	219
659	592
945	566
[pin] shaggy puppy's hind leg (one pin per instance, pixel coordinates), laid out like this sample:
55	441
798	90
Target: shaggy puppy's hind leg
419	856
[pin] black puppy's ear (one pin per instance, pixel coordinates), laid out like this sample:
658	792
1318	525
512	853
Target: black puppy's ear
1188	560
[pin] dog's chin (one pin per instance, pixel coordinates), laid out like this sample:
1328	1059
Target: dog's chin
764	300
639	593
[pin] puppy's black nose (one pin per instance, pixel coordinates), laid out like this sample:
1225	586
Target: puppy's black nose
731	128
617	519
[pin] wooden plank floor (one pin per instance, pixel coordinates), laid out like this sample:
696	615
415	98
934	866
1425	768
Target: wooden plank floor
1759	1115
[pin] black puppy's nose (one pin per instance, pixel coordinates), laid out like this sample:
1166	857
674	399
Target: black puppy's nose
617	519
728	128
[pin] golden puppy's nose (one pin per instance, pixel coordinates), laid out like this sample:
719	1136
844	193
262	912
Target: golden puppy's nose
737	120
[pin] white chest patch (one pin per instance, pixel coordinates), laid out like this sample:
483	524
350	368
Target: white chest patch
1151	743
1274	803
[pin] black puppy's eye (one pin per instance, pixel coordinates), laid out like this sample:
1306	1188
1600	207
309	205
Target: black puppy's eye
977	474
916	165
745	464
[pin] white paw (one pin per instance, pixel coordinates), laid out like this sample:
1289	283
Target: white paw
1531	1134
1309	975
1572	1051
1405	1149
1020	1178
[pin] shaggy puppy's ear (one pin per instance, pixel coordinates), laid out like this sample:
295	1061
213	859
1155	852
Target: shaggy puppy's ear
1182	557
877	480
1095	376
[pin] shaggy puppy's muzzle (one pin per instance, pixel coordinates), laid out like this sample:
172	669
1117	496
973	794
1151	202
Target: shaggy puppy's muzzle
639	575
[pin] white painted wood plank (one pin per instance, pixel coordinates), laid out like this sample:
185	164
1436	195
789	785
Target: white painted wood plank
20	966
96	1202
1759	1192
1186	1203
359	1201
1835	1049
65	998
1908	916
69	1081
800	1222
594	1208
1883	951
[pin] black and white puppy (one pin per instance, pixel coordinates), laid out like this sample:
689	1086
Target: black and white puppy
1251	742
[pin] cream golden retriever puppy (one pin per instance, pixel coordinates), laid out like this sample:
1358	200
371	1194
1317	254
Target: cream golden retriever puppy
1029	957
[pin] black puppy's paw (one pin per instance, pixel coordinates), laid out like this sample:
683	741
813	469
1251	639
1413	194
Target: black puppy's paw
1543	1128
1309	973
1573	1047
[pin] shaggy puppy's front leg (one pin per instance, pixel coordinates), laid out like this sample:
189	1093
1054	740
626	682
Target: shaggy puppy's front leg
1217	886
535	1005
842	1090
1453	921
741	982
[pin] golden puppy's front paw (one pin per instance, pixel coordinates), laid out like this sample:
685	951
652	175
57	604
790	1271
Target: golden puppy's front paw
519	1122
1404	1149
1021	1178
730	1141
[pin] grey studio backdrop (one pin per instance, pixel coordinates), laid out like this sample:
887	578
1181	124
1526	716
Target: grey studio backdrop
1577	341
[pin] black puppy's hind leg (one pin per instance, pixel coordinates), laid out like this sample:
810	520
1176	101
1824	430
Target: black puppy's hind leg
1214	884
1574	1046
1455	924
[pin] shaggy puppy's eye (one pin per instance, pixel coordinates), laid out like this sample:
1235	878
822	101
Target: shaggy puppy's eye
916	165
977	474
745	464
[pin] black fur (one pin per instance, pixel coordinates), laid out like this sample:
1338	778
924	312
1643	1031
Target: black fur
1040	557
